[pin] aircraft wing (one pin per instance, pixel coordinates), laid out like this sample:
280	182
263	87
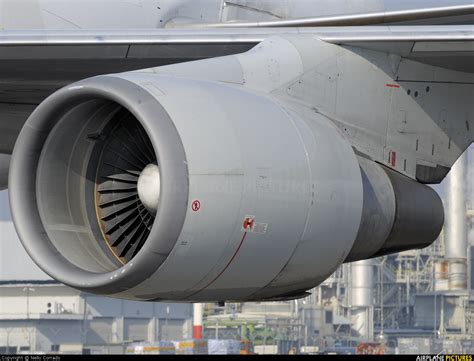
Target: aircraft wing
33	64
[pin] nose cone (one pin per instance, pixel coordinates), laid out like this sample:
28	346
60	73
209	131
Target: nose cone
149	187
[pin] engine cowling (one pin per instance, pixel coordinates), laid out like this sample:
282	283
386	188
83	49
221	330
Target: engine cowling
251	201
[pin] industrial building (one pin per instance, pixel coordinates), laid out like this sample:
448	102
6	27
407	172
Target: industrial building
413	302
47	316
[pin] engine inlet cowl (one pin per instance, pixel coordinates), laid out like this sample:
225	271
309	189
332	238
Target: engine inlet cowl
75	193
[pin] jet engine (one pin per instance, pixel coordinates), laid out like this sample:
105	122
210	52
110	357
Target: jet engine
158	187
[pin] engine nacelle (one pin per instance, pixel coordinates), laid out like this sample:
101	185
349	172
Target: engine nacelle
154	187
187	184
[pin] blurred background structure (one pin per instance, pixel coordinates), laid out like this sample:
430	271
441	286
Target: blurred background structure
413	302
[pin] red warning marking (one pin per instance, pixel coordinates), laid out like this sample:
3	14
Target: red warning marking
393	158
393	85
196	206
248	223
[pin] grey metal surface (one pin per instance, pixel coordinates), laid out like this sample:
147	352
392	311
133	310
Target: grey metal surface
25	37
419	115
334	214
370	18
261	10
76	14
456	225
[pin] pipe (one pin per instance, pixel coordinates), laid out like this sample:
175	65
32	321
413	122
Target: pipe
362	283
197	321
456	226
